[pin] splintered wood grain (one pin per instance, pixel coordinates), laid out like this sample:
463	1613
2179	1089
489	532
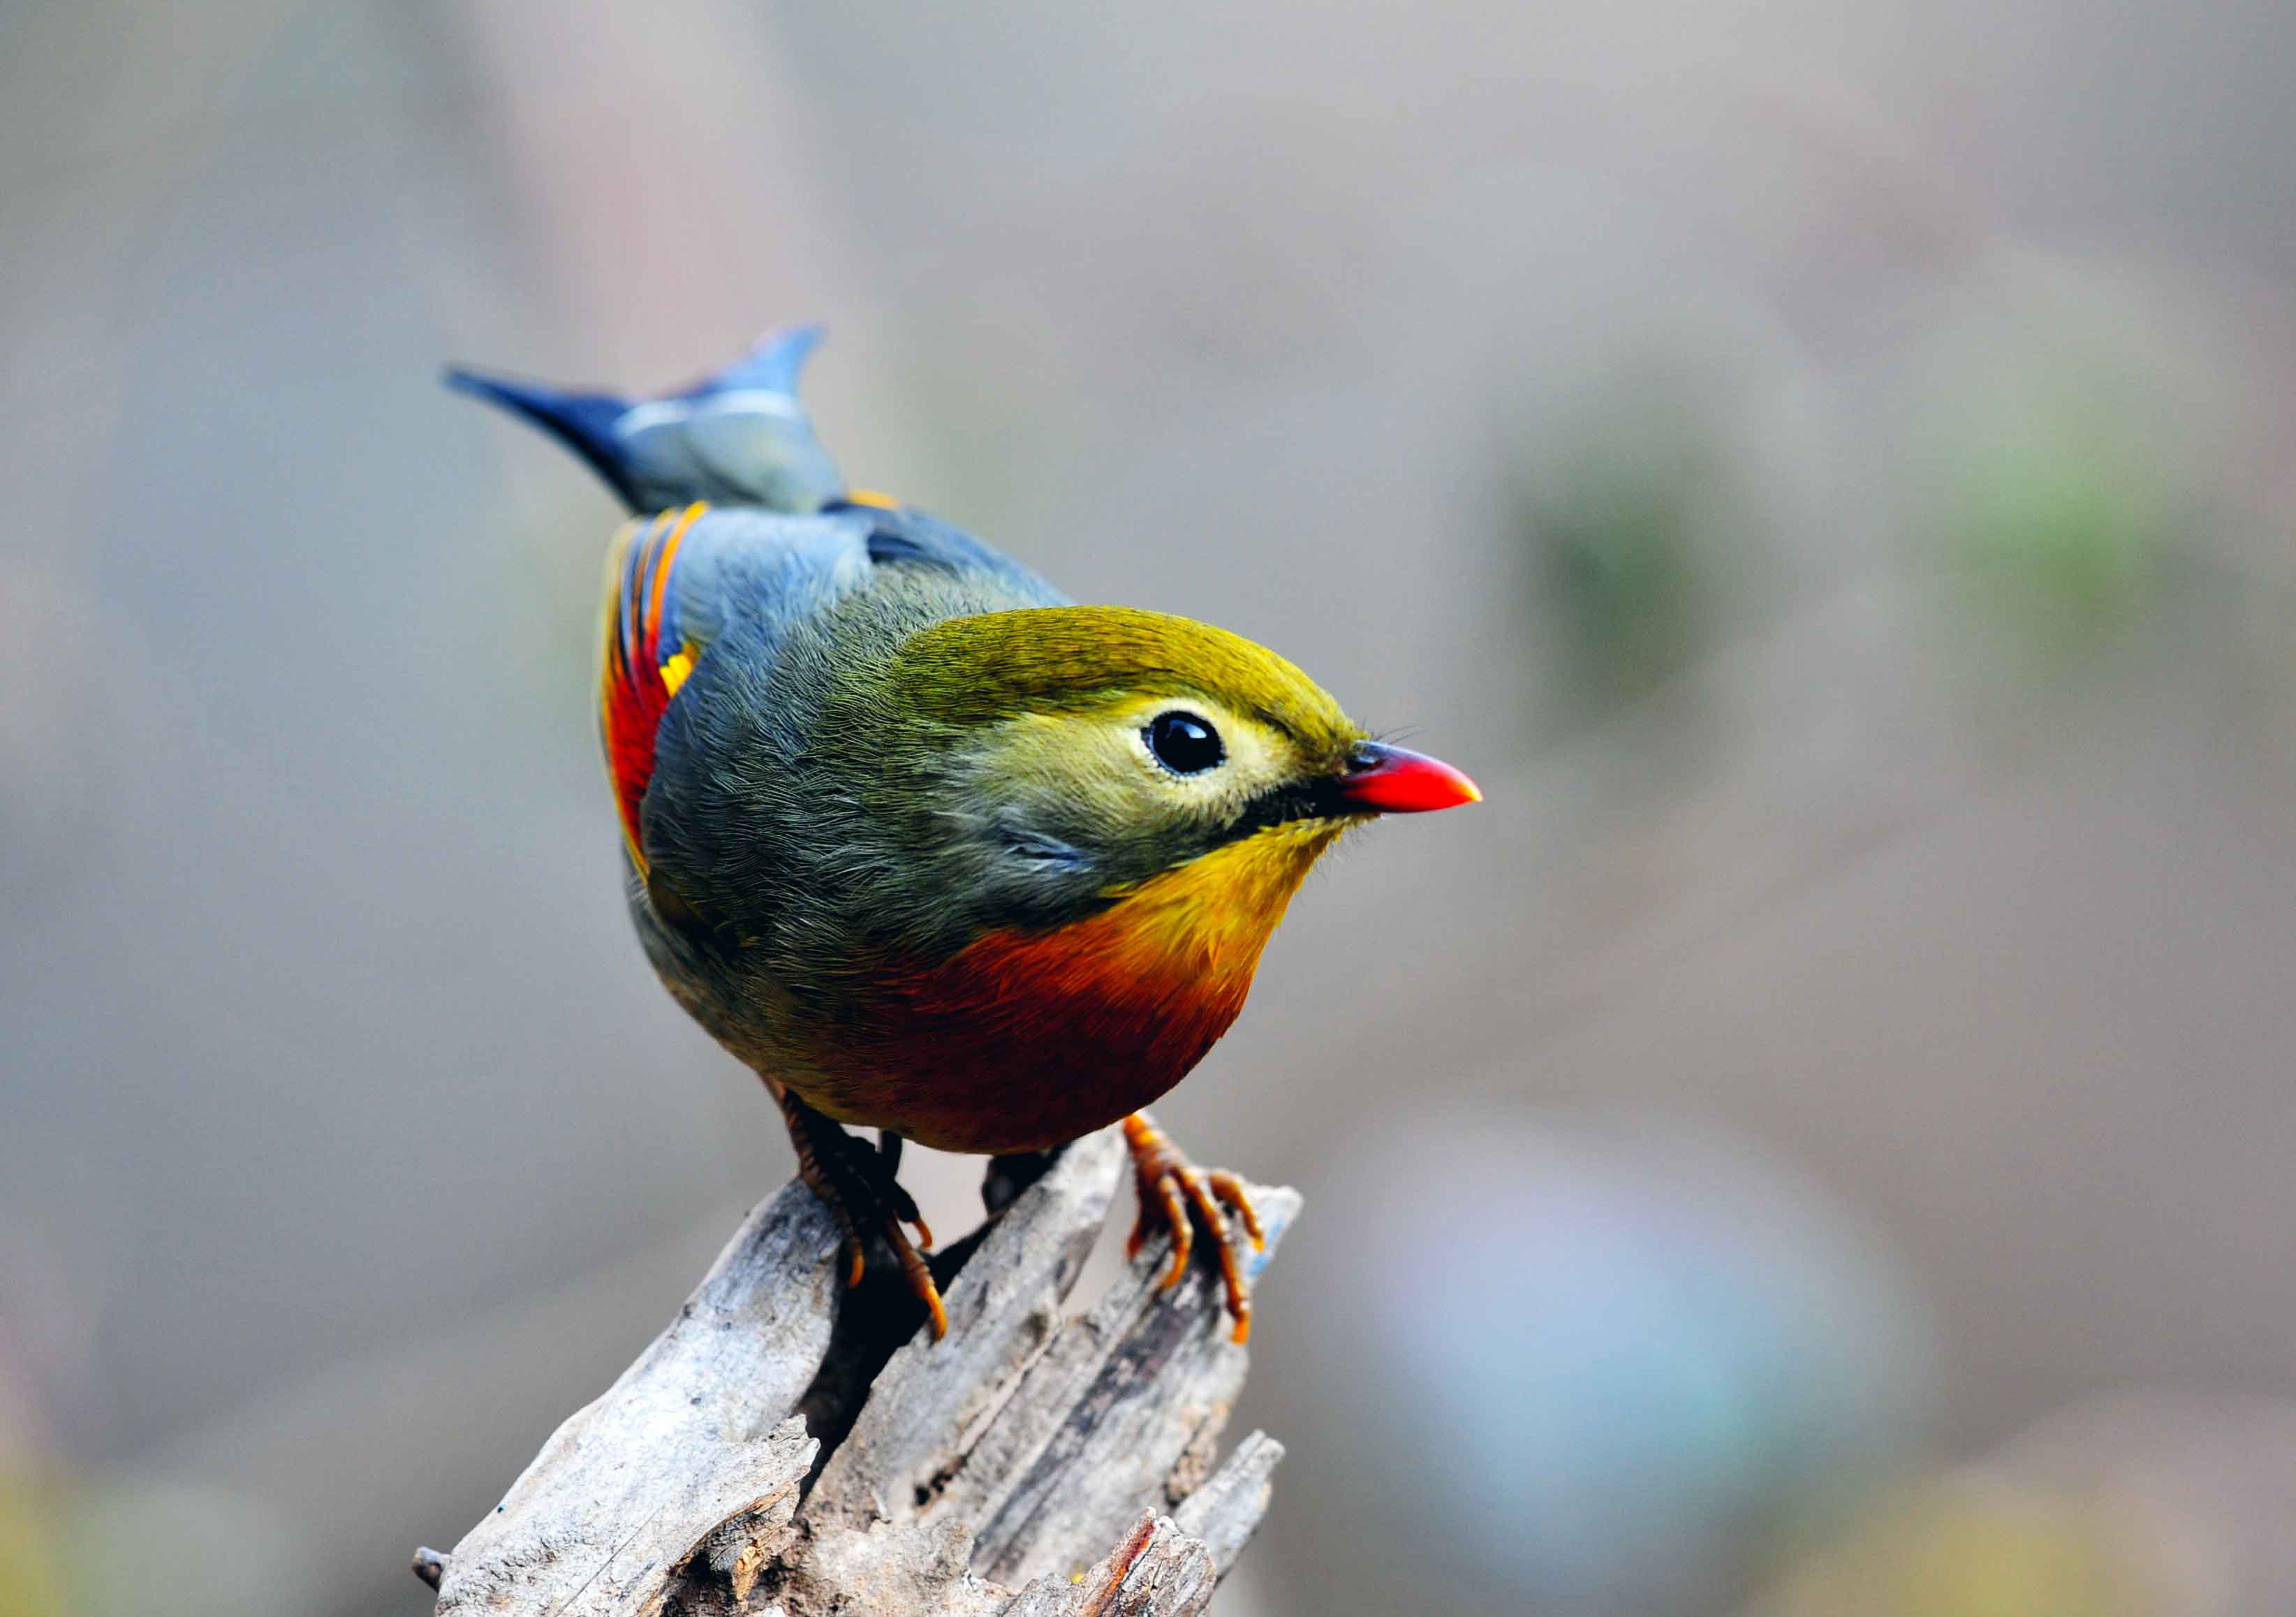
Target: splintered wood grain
1227	1510
1003	1307
1157	1571
1018	1449
691	1449
1118	1414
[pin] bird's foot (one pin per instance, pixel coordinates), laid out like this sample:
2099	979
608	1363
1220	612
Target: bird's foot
856	1180
1175	1195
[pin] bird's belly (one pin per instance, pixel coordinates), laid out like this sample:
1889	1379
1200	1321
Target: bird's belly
990	1111
1020	1043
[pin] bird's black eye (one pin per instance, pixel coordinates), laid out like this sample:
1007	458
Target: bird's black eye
1185	743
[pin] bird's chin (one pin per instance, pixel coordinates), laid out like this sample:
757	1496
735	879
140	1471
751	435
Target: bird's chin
1305	836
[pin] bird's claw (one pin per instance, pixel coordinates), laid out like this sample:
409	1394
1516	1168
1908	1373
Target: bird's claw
856	1180
1175	1196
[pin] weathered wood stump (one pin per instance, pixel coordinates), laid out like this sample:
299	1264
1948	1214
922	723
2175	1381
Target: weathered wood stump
782	1448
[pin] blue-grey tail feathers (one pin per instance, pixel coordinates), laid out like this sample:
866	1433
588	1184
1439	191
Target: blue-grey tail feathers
737	434
770	367
583	422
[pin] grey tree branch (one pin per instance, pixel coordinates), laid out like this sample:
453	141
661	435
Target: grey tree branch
781	1449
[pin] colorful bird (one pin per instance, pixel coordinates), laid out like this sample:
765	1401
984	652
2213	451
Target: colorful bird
929	848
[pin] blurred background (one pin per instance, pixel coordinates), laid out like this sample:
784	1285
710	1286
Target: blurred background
1816	1142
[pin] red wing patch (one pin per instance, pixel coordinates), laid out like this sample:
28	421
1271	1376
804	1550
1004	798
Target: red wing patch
638	673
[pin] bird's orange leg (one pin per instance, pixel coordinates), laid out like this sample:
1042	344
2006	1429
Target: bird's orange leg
856	1181
1174	1196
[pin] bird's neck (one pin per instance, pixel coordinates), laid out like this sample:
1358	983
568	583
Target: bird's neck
1172	957
1209	918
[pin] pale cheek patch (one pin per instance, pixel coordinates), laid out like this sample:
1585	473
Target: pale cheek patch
1037	766
1101	764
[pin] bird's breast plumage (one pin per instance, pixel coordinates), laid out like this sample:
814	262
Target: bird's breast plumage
1023	1039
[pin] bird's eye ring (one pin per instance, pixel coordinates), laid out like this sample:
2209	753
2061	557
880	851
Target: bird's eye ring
1184	743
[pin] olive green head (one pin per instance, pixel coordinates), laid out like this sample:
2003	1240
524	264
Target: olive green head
1029	767
1118	743
1075	693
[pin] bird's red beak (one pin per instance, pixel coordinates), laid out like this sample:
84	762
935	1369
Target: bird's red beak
1389	780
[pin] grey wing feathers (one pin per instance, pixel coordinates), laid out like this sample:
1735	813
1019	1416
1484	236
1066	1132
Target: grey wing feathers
767	573
907	535
756	596
762	573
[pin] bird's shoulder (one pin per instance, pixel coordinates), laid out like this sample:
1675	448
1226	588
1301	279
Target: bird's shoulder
753	570
680	582
739	591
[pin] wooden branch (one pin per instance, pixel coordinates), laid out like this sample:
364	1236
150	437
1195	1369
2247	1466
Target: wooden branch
788	1448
